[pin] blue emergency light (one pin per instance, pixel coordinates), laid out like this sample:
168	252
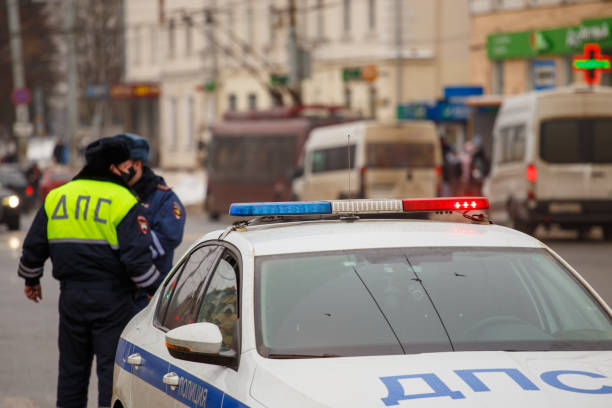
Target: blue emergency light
363	206
281	208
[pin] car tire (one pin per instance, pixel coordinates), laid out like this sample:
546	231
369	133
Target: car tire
13	223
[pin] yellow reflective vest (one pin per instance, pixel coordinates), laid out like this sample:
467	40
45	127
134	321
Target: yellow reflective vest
87	211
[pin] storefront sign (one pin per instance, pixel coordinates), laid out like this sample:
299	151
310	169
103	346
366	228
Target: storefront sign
460	93
98	91
368	73
413	111
544	74
592	63
556	41
442	111
134	91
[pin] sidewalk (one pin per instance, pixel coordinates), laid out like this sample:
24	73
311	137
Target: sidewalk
189	186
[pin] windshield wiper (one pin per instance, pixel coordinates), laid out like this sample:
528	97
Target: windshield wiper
275	355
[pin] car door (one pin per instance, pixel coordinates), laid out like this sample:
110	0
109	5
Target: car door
177	306
202	384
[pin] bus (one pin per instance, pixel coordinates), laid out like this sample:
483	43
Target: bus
252	156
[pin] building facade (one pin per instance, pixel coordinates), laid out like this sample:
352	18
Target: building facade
212	56
523	45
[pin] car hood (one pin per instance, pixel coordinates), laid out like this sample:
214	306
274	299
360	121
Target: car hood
459	379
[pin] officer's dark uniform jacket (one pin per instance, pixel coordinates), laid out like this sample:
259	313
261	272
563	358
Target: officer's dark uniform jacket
166	217
94	231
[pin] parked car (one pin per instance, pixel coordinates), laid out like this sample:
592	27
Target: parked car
349	304
14	178
10	208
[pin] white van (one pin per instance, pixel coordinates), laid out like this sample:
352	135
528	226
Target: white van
552	160
394	160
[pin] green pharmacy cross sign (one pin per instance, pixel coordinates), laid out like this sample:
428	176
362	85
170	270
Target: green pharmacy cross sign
592	63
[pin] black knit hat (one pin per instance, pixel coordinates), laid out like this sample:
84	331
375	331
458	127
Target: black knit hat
101	153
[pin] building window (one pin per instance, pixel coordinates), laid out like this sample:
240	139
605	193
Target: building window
190	123
346	10
567	72
373	95
230	27
153	50
188	36
320	19
271	22
303	13
232	103
252	101
137	46
372	14
250	15
172	128
171	38
498	77
347	98
529	65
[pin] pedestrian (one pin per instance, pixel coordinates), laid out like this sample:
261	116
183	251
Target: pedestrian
98	239
163	208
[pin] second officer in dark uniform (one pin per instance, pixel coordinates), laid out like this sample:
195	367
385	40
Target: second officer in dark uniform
163	208
98	239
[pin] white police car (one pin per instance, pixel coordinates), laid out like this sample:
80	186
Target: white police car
351	305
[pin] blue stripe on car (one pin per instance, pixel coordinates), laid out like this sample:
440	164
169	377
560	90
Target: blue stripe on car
191	390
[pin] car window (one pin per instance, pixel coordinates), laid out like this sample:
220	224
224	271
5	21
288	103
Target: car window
259	158
219	304
333	158
400	155
576	140
178	303
414	300
511	144
12	177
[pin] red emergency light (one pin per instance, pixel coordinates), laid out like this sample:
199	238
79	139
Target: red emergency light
446	204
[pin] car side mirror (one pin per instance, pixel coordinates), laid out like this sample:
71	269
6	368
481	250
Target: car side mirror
202	338
200	342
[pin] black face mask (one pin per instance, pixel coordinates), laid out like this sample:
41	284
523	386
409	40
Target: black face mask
126	177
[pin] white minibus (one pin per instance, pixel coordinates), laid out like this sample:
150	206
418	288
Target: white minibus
552	160
386	160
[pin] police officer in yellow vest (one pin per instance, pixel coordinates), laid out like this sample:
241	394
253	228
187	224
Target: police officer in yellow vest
98	240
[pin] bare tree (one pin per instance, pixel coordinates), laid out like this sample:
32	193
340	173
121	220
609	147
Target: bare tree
100	54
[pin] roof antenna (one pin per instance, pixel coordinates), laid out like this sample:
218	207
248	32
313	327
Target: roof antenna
348	150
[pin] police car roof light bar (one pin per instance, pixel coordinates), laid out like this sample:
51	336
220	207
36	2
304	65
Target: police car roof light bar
367	206
281	208
446	204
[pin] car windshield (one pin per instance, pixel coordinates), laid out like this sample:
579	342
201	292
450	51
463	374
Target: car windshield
12	177
402	301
